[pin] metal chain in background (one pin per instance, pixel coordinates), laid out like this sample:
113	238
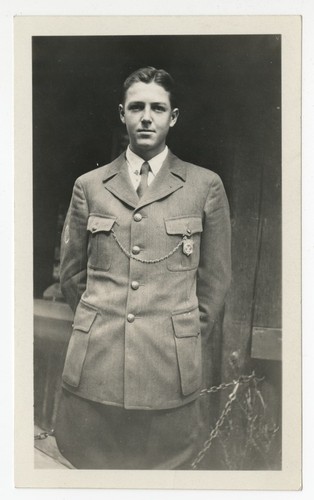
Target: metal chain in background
243	379
44	434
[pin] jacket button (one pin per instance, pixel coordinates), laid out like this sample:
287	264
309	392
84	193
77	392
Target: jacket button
136	250
138	217
130	318
135	285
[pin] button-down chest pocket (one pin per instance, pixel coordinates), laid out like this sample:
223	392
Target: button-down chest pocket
100	245
77	348
189	350
187	256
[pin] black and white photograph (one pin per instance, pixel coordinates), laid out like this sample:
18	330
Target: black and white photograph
157	212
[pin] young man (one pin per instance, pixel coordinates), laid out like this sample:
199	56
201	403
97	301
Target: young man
145	265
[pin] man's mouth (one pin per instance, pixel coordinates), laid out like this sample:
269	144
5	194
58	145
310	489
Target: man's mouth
144	131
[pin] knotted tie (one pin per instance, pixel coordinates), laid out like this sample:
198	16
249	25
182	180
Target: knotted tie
145	168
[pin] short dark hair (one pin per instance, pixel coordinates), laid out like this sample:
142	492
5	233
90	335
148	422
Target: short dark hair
148	75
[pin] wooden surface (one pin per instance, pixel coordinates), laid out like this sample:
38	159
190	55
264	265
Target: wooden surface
254	299
52	309
266	344
52	331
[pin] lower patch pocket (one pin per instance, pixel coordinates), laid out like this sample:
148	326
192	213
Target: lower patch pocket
189	349
77	348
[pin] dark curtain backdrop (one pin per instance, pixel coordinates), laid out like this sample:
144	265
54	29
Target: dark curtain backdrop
229	99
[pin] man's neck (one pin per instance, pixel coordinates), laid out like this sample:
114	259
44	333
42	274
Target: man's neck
147	155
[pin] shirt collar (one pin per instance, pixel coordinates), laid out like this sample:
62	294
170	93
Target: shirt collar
155	163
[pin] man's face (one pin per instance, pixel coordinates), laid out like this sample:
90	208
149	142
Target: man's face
148	116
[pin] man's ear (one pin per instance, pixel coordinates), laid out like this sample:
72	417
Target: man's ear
174	116
121	113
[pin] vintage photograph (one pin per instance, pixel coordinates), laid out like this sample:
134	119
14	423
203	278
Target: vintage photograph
163	325
165	255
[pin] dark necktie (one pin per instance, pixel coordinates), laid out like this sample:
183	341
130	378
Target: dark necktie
145	168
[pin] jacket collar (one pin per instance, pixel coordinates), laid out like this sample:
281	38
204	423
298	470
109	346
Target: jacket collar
170	178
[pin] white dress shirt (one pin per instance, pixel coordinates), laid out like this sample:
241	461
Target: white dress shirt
135	162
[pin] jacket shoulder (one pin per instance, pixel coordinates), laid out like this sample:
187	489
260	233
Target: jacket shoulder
91	176
205	173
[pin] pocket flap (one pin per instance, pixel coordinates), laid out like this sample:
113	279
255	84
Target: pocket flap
97	223
186	324
184	225
84	318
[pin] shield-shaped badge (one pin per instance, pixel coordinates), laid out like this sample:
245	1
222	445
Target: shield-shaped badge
187	247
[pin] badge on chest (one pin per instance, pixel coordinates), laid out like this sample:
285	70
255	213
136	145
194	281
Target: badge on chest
188	244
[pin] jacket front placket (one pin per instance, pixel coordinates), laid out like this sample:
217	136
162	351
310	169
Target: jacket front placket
140	293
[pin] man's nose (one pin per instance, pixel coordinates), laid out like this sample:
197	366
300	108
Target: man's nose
146	116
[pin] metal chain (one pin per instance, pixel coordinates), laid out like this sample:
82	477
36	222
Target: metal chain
216	388
243	379
147	261
44	435
215	430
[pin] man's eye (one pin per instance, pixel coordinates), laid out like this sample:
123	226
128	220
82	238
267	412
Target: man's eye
160	109
135	107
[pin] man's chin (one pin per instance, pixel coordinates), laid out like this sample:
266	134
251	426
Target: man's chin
144	145
146	149
148	139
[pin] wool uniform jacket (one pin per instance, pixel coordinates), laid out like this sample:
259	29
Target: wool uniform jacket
147	279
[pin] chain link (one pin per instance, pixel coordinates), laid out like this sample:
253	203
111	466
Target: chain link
147	261
216	388
243	379
44	435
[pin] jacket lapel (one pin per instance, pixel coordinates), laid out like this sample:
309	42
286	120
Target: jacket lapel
170	178
118	182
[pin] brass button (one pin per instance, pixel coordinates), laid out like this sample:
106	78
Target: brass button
136	250
188	231
138	217
130	318
135	285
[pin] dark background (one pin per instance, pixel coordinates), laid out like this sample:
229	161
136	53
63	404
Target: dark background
229	98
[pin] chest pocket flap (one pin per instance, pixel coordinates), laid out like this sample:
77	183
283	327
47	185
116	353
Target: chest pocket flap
184	225
98	223
190	226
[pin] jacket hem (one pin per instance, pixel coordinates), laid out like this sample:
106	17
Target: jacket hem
166	406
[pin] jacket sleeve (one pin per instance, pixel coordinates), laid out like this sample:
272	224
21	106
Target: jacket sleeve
73	258
214	272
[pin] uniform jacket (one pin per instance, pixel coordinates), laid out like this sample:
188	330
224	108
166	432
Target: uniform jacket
143	304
